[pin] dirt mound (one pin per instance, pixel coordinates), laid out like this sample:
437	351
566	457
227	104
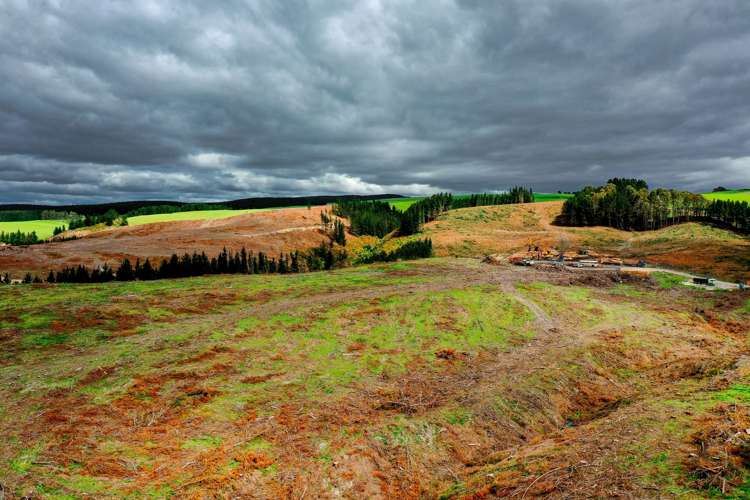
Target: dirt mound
272	232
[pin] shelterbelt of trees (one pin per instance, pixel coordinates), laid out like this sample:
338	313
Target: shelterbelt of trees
322	258
629	205
18	238
379	218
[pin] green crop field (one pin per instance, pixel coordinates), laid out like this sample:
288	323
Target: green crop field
43	228
736	195
195	215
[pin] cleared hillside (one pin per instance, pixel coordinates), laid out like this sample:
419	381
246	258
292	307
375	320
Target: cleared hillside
271	231
473	232
439	377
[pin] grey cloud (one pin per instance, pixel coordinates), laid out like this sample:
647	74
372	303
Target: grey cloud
209	100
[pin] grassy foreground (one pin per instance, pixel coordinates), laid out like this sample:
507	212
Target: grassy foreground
403	380
43	228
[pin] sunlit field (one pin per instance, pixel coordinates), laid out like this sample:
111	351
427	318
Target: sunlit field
43	228
736	195
195	215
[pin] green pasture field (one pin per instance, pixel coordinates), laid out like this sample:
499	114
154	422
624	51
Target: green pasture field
736	195
43	228
551	196
195	215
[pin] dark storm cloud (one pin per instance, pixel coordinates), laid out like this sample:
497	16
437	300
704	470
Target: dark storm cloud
210	100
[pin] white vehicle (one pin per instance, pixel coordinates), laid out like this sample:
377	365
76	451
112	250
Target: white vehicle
586	263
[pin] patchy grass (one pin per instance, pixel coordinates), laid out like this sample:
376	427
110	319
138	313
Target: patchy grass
357	381
667	280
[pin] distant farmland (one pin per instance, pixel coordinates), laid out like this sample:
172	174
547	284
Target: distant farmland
404	203
43	228
735	195
195	215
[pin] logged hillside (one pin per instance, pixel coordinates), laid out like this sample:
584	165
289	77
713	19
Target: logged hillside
473	232
466	232
439	378
272	232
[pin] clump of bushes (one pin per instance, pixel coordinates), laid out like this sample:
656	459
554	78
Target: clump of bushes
415	249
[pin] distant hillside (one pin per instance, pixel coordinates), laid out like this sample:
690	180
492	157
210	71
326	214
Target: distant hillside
504	229
245	203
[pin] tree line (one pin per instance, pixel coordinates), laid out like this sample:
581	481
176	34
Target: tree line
629	205
416	249
515	195
108	218
19	238
373	218
379	218
324	257
27	215
171	209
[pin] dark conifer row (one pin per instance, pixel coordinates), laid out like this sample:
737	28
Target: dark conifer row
628	204
374	218
732	213
378	218
19	238
171	209
416	249
424	210
324	257
108	218
515	195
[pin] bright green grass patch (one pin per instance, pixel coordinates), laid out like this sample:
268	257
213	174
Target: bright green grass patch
403	203
202	443
195	215
735	195
551	196
737	393
667	280
43	228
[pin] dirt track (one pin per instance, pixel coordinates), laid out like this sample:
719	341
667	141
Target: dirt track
272	232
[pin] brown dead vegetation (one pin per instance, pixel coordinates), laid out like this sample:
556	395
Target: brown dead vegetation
721	453
272	232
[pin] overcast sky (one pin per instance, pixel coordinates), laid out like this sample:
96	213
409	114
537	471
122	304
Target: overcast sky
199	100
